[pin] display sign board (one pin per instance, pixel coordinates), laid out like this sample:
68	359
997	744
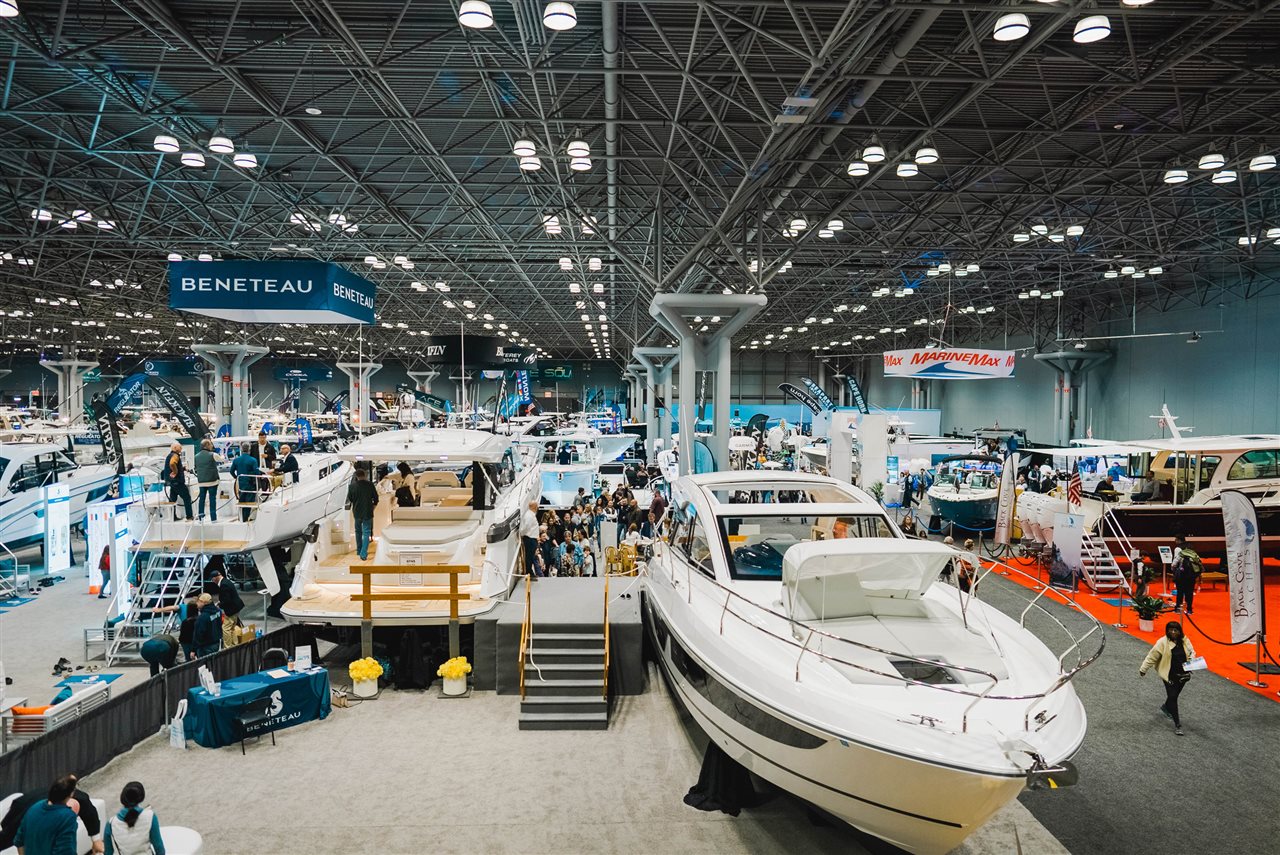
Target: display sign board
855	394
948	363
306	373
474	351
270	292
1244	566
192	367
57	529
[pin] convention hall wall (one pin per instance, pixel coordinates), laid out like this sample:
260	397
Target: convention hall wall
1228	382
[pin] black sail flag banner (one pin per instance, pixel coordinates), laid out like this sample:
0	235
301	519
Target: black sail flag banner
801	395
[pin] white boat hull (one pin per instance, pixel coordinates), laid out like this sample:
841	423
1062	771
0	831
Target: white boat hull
560	484
21	516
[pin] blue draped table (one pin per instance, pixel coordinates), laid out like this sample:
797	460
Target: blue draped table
290	700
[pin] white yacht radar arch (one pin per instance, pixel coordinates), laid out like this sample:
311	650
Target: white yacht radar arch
816	645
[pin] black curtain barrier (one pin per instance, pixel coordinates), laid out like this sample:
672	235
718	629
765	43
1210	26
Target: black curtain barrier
88	743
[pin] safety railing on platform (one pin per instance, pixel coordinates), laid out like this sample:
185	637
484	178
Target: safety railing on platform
605	685
367	597
809	633
526	628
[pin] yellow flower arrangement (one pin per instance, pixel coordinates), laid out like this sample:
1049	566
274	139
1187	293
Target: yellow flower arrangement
454	668
365	669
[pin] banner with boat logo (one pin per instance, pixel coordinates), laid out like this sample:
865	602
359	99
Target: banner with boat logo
950	363
172	397
819	394
855	394
800	395
1244	567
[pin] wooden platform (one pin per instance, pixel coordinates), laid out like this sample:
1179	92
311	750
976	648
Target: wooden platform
334	605
193	544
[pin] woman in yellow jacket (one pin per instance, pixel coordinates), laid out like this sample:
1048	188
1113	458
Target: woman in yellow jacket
1168	656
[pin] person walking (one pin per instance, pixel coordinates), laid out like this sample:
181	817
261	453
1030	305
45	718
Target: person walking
1169	657
104	567
361	499
174	474
206	468
135	829
529	530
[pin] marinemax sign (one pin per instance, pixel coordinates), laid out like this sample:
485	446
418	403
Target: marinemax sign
949	363
269	292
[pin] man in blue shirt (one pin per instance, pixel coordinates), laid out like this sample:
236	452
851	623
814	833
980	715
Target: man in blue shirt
49	827
244	474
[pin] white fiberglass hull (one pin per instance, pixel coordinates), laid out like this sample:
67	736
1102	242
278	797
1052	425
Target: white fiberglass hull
560	484
22	515
920	806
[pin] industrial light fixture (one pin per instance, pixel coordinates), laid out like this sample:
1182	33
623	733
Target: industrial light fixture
530	164
174	256
1212	161
475	14
1011	27
204	256
907	169
1225	176
944	267
1262	162
8	8
1091	28
1075	231
1057	237
798	224
69	224
163	142
1128	270
524	148
594	264
932	271
972	267
221	144
578	148
858	169
1040	229
1021	237
575	288
597	288
107	225
1111	274
1034	292
566	264
559	16
826	233
873	153
1023	295
193	158
1193	338
1155	271
41	214
1273	233
1080	345
1243	240
580	164
1175	175
370	260
244	160
835	225
1136	2
926	155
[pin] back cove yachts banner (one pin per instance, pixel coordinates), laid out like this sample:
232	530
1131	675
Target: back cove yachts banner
948	363
271	292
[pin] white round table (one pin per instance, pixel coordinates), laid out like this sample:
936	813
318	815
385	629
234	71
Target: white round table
181	841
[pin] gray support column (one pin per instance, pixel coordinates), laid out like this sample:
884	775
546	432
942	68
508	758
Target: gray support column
422	379
358	374
663	391
204	379
1071	368
722	409
656	362
690	365
231	361
70	374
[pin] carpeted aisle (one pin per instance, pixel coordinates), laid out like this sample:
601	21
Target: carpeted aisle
1144	790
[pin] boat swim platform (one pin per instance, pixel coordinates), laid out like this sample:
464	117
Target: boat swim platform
563	605
174	544
332	604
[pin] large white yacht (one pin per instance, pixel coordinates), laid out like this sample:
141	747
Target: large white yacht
816	646
27	467
471	487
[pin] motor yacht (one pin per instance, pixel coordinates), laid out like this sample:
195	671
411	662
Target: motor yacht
966	490
471	487
814	643
27	467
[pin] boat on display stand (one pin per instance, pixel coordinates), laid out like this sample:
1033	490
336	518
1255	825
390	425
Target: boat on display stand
966	490
815	645
471	486
27	467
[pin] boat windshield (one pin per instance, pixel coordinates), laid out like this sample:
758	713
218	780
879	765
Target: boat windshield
755	545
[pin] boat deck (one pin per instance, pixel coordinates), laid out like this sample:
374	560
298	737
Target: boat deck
192	544
332	603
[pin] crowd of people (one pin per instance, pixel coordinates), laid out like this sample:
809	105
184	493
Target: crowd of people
62	820
255	470
568	542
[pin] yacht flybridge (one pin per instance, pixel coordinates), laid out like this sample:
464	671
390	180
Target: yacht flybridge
471	487
816	646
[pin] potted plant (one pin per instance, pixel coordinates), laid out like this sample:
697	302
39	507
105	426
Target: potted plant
1147	609
364	675
455	671
877	490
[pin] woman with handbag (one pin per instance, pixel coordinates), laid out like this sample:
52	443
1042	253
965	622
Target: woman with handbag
1169	657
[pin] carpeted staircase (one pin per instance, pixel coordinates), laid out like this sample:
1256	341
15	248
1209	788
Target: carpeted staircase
564	682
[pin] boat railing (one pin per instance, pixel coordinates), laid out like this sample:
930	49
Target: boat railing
809	633
526	626
1110	523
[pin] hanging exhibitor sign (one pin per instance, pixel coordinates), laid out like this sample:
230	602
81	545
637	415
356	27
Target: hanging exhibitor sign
271	292
948	363
57	529
473	351
855	394
308	372
1005	502
174	367
800	395
173	398
1244	566
819	394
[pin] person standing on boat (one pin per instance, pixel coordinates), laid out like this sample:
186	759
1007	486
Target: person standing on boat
361	499
174	475
529	530
1169	657
206	466
244	475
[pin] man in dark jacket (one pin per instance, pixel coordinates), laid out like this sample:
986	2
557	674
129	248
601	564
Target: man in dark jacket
244	476
263	452
231	605
287	465
53	826
361	497
207	637
174	475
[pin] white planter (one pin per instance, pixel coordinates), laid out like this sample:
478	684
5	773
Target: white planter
455	685
1146	625
365	688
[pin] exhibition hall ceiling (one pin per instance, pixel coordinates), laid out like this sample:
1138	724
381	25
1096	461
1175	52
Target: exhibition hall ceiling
888	173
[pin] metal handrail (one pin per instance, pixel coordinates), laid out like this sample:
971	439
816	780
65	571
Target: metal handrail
526	626
605	688
985	694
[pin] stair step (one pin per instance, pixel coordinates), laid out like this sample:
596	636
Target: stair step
561	688
564	721
567	655
537	669
569	639
564	704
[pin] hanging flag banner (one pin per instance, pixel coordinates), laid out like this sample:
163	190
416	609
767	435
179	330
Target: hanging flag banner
948	363
104	420
819	395
522	385
1005	502
437	403
855	394
1244	567
800	395
271	292
172	397
303	427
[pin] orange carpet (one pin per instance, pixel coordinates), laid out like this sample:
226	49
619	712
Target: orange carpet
1209	621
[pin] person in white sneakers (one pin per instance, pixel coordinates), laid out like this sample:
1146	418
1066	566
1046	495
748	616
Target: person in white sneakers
135	829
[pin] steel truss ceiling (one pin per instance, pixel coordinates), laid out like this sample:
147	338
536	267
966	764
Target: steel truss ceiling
698	164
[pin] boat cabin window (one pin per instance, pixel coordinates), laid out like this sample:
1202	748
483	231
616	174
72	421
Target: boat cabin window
1261	463
771	497
39	471
696	547
755	545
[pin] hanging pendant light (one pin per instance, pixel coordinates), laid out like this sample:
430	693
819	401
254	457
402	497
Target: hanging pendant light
579	164
926	155
530	164
1262	162
1040	229
1226	176
1175	175
165	144
944	267
475	14
873	153
907	169
1111	274
578	148
1128	270
858	169
1091	28
175	256
594	264
826	233
799	224
524	148
244	160
193	158
8	8
221	144
1075	231
835	225
559	16
1213	161
1021	237
1011	27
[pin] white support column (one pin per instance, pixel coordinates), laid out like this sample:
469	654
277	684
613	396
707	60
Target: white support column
1071	368
230	364
422	379
70	374
358	374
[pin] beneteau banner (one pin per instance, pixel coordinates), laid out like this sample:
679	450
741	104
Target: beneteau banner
1244	567
948	363
271	292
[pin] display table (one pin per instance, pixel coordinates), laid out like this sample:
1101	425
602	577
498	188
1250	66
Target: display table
279	699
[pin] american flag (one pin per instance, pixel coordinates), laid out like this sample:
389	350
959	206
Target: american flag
1073	486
